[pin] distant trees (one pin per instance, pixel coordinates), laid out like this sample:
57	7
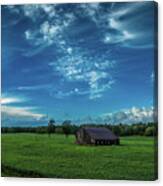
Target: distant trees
51	126
66	127
143	129
128	131
135	129
41	130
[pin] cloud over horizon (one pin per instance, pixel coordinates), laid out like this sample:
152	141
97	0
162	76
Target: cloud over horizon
25	116
129	116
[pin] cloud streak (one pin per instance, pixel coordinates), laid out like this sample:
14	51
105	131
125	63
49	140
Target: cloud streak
19	116
9	100
79	67
20	112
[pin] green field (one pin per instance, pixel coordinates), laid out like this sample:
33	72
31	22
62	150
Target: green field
37	155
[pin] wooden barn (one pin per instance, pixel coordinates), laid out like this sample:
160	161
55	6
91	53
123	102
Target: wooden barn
96	136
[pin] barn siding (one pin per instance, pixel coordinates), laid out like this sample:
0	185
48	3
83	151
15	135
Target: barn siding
83	137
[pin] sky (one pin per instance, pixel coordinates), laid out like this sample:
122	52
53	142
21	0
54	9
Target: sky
84	62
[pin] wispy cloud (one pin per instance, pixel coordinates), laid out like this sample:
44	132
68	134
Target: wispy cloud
116	28
20	112
118	21
19	116
51	30
58	26
152	77
11	113
79	67
9	100
34	87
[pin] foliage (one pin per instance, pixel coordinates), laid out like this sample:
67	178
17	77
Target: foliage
41	130
66	127
51	126
149	129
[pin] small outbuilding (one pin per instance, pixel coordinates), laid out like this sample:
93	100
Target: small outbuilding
96	136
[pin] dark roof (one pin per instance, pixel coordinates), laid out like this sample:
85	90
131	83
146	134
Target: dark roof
100	133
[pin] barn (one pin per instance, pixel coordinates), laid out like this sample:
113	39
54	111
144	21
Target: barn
96	136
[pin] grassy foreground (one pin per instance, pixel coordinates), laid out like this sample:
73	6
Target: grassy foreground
37	155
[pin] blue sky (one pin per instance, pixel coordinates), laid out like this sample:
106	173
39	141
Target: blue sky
85	62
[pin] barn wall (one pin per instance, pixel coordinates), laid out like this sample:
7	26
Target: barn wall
83	137
87	138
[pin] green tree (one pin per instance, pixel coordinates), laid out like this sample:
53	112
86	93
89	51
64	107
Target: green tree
66	127
51	126
150	131
135	129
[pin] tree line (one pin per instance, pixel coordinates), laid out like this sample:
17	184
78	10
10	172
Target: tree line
148	129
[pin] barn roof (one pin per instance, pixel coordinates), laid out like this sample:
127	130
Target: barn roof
100	133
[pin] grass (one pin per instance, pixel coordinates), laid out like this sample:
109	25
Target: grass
37	155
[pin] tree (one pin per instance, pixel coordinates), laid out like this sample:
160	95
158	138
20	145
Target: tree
51	126
135	129
150	131
116	129
128	130
66	127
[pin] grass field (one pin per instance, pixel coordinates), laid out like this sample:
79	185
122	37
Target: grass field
37	155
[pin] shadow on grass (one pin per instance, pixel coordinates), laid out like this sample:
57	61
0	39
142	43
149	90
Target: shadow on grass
8	171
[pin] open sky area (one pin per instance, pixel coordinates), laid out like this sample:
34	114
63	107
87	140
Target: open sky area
84	62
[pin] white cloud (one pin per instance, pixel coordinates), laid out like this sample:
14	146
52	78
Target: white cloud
90	9
120	37
35	11
9	100
34	87
77	68
69	50
30	10
19	116
152	77
16	114
122	25
50	30
111	20
28	35
127	34
49	9
96	88
13	9
101	88
129	116
113	23
124	116
105	64
20	112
